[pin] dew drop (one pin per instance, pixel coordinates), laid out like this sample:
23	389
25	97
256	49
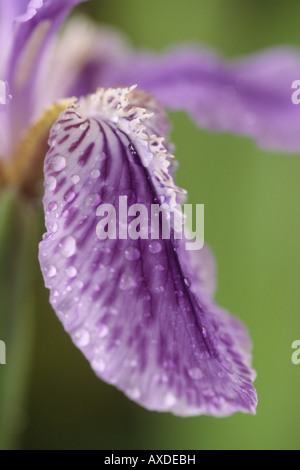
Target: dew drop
94	200
51	271
169	400
52	142
98	365
95	174
225	338
195	373
159	289
56	127
54	228
179	293
204	332
159	267
58	163
71	272
75	179
187	282
102	330
68	247
208	393
134	393
82	338
127	282
132	254
51	183
69	196
155	248
52	206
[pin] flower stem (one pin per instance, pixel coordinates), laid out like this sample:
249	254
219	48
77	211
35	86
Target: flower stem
18	255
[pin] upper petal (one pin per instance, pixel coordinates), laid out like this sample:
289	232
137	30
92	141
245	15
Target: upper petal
9	11
251	96
70	69
28	36
129	304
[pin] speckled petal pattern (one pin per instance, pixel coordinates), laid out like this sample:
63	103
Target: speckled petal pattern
140	312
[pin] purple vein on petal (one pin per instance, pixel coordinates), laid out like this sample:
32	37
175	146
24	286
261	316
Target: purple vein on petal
140	310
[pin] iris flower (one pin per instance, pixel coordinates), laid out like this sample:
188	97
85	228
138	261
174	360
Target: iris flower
141	311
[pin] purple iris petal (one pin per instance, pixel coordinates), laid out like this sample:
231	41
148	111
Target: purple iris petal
9	11
29	33
139	310
68	71
251	97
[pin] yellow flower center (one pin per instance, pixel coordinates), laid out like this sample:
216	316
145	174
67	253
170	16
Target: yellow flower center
25	169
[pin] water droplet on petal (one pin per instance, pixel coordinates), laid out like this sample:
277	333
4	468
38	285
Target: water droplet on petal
51	271
69	196
204	332
208	393
134	393
95	174
179	293
159	289
195	373
52	206
102	330
94	199
169	400
68	247
225	338
82	338
159	267
98	365
56	127
52	142
127	282
155	248
187	282
132	254
71	272
58	163
75	179
51	183
54	228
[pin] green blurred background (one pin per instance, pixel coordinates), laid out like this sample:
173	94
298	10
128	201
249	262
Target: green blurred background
252	223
